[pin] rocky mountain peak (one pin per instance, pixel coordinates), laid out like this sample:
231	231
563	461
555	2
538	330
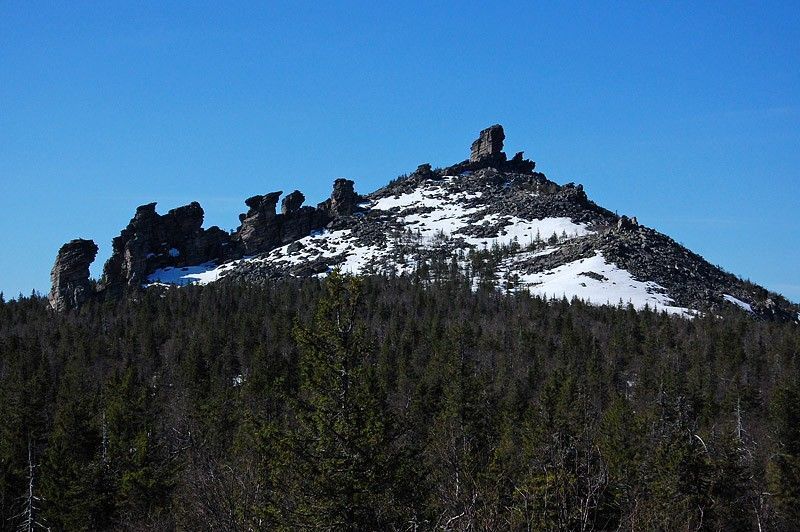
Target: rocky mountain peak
497	221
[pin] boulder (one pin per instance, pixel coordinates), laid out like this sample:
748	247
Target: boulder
424	171
626	224
70	275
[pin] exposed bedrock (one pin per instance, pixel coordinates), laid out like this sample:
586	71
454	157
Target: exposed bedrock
488	145
152	241
291	203
260	229
70	274
487	152
344	199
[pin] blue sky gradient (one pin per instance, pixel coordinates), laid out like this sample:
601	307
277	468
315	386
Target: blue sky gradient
684	115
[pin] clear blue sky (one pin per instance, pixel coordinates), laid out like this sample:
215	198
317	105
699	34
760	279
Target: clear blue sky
686	115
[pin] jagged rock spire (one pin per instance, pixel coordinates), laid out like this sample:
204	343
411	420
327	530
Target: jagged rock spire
343	198
70	274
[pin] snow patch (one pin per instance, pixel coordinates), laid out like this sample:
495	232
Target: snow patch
738	302
605	284
202	274
525	232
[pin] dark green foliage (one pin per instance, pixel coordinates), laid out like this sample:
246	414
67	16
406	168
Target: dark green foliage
394	404
341	461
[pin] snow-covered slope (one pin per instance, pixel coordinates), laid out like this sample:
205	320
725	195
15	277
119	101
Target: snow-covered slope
462	215
499	223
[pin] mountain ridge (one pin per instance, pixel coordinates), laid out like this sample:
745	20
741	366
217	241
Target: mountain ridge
496	220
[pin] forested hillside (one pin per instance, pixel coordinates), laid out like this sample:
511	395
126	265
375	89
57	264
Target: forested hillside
382	403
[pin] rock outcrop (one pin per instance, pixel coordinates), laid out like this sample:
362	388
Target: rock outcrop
626	224
291	203
301	222
424	171
152	241
487	152
70	275
176	239
260	229
263	229
343	198
489	145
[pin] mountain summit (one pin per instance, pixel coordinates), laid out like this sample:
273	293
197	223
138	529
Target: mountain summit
493	220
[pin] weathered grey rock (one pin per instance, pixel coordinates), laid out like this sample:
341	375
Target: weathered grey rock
292	202
294	247
70	275
300	223
260	229
424	171
183	221
343	198
262	205
518	164
625	224
489	145
152	241
212	244
127	265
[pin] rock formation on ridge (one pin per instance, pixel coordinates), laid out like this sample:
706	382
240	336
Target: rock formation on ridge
70	274
344	199
535	228
291	203
259	229
152	241
488	145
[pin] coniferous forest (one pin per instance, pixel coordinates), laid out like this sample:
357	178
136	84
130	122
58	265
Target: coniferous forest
382	403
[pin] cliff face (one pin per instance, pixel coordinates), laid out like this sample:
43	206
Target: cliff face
70	274
153	241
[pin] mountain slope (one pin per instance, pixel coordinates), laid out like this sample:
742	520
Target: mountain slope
497	221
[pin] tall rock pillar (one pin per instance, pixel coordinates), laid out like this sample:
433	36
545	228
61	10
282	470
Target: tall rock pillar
70	275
